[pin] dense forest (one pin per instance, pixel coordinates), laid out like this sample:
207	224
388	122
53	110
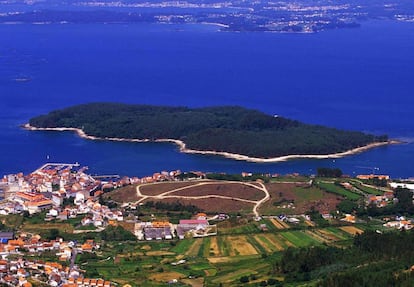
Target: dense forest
229	129
373	260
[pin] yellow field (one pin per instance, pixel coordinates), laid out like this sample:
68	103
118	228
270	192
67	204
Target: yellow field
240	246
159	253
316	236
197	282
309	223
277	245
166	276
327	235
230	277
279	224
280	238
214	246
193	250
219	259
146	247
351	230
263	244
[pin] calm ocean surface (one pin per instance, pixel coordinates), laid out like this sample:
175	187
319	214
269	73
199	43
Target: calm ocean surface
361	79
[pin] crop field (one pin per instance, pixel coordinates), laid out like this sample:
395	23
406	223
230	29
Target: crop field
240	246
299	238
332	188
275	242
309	223
268	244
204	250
253	244
216	259
351	230
183	246
302	196
232	276
166	276
214	249
317	236
367	189
279	224
194	249
240	229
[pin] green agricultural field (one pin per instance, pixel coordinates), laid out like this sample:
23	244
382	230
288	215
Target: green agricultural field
204	250
195	247
256	244
224	246
333	188
183	246
243	229
342	235
270	226
308	194
266	243
299	238
303	179
367	189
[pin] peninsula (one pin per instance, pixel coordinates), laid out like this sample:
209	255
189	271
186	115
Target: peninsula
229	131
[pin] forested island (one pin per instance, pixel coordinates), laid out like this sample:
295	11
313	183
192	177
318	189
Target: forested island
226	129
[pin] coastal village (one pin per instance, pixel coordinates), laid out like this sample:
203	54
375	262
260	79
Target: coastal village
63	192
48	189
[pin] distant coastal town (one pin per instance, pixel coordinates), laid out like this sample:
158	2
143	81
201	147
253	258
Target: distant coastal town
239	16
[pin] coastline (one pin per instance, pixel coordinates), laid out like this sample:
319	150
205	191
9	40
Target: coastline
184	149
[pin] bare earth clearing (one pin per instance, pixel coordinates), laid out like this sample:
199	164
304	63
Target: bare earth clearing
230	196
161	187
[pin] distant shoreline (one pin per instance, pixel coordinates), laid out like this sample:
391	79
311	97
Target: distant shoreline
183	149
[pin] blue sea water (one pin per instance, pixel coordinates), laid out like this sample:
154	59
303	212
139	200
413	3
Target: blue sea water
360	79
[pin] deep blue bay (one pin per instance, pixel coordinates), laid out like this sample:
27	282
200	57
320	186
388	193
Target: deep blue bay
360	79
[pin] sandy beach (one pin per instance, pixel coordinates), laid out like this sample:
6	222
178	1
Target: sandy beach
184	149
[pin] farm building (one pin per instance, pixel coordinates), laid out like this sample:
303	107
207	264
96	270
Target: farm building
187	225
158	230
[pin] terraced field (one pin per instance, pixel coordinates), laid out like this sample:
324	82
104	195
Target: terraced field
279	224
224	258
352	230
